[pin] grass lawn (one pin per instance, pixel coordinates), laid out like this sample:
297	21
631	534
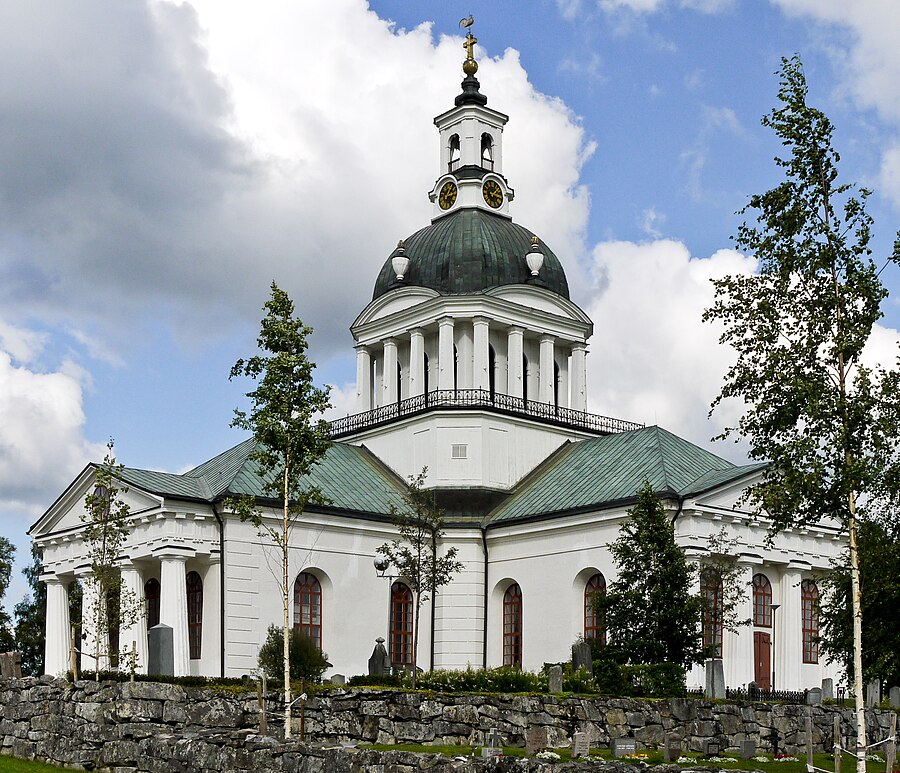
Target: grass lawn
15	765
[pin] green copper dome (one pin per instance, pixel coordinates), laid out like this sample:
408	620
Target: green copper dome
468	252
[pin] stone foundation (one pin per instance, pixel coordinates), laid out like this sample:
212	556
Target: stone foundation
160	727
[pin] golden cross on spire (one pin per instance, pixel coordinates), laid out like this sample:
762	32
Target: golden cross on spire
470	66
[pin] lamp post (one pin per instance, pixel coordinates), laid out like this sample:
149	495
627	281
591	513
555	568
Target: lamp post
774	609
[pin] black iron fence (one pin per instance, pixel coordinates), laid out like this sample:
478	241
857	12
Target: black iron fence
462	399
756	694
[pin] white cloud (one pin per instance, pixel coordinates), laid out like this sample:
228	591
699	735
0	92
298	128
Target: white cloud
652	359
650	222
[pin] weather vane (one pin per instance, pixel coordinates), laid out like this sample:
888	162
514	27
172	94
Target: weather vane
470	66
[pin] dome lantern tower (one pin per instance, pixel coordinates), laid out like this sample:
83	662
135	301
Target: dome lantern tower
471	140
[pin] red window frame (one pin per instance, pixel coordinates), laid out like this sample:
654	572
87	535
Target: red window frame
194	613
594	625
711	592
762	601
151	597
308	607
401	638
512	626
809	598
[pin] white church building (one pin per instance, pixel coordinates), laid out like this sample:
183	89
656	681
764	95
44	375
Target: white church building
471	361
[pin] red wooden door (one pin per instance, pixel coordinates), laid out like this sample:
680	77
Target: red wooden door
762	658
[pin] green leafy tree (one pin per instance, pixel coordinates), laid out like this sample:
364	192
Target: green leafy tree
307	661
650	612
107	521
415	554
721	574
291	437
826	423
7	554
30	614
879	570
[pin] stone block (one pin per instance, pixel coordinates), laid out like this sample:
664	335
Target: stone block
161	650
556	679
747	749
814	697
535	739
828	689
715	679
894	697
873	693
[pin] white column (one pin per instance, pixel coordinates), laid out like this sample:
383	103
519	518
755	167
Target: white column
546	374
363	379
579	377
416	362
93	611
515	341
445	354
737	646
58	628
788	632
132	600
173	607
481	378
390	384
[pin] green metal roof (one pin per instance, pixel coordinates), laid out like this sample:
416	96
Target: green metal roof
471	251
610	469
350	476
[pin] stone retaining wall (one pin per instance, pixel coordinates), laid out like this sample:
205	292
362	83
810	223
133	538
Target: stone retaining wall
161	727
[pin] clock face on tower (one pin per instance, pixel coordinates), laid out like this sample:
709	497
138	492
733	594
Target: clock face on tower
493	194
447	196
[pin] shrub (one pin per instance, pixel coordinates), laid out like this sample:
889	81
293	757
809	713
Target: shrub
657	680
307	661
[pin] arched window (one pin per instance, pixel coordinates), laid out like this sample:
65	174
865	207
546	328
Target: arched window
809	599
487	151
308	607
151	596
401	624
711	592
594	627
762	601
194	613
525	378
512	626
454	153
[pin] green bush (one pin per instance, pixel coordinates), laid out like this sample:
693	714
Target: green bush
657	680
182	681
376	680
307	661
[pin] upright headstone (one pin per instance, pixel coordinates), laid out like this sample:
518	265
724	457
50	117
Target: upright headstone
535	739
748	748
814	696
873	693
623	746
713	747
715	679
556	678
10	665
894	697
161	651
581	656
379	663
672	748
581	745
828	689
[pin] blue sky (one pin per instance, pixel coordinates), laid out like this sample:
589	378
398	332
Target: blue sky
162	162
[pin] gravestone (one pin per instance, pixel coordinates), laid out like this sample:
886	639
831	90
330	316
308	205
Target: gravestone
379	663
581	657
672	748
715	679
10	665
535	740
581	745
623	746
161	651
873	693
894	697
748	749
493	745
338	680
814	696
713	747
828	689
556	678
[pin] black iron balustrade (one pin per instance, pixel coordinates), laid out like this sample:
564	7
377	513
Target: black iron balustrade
462	399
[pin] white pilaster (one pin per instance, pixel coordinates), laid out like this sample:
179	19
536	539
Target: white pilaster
416	362
57	628
390	384
132	598
788	632
445	354
737	646
173	607
363	379
579	377
546	374
515	376
480	359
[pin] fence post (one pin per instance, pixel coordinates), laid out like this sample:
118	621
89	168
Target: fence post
261	700
809	744
837	743
890	754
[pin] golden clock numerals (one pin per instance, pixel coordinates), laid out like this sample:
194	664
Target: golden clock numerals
447	196
493	194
